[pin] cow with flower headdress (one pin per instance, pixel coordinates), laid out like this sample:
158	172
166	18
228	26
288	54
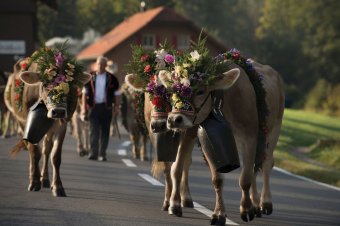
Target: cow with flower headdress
42	96
144	67
243	94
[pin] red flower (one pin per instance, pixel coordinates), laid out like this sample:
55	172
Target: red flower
152	78
144	57
17	97
23	66
157	101
17	82
147	68
236	55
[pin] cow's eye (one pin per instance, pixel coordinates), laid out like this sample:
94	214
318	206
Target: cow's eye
200	92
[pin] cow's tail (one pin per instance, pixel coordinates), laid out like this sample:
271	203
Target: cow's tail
17	148
157	169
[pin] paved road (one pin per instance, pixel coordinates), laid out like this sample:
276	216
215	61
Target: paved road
116	193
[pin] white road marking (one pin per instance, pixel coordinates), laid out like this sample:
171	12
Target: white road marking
129	163
126	143
150	179
208	213
121	152
305	178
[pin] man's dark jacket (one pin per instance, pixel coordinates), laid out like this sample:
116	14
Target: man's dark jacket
112	85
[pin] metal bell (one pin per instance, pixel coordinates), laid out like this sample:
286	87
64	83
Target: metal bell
37	123
218	143
166	145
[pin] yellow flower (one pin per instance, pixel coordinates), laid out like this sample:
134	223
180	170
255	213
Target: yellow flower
186	65
71	65
64	87
69	72
174	97
179	105
178	69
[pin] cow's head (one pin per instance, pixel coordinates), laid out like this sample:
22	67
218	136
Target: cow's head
59	77
192	109
157	106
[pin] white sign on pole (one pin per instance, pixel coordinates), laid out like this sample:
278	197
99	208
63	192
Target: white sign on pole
12	47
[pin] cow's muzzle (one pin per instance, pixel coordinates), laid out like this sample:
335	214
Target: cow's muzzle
158	126
57	113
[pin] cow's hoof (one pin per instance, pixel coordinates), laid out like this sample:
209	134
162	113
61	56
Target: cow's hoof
81	153
165	206
258	212
58	192
218	220
144	159
45	183
34	186
175	210
248	215
187	203
267	208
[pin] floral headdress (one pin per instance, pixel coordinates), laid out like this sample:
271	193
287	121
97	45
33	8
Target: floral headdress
58	72
192	70
146	65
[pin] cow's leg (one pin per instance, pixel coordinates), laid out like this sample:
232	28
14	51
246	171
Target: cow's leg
142	149
254	196
86	137
134	143
7	129
168	186
266	204
34	170
185	149
219	215
186	200
247	210
46	151
57	187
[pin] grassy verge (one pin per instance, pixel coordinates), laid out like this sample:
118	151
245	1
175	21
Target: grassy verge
305	129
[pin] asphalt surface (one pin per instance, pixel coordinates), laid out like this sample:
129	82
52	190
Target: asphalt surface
116	193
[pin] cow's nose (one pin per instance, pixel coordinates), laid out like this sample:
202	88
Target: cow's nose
58	113
158	126
178	120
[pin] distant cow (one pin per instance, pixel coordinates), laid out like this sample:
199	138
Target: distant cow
24	95
81	129
132	113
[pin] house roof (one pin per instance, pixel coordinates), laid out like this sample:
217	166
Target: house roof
129	27
120	33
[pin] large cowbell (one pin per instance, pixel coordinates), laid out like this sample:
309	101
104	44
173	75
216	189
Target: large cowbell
166	145
218	143
37	123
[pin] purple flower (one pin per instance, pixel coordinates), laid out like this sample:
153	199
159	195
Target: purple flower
151	87
59	79
169	58
176	87
59	59
185	91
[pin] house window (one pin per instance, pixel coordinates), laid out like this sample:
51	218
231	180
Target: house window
183	41
149	41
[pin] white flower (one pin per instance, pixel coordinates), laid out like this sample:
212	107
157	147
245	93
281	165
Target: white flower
186	65
195	56
185	81
160	54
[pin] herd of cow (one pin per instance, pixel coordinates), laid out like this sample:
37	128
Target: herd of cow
240	108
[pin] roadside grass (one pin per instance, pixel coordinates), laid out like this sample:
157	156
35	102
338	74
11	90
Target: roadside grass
306	129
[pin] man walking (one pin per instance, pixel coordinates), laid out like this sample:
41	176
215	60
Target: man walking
99	96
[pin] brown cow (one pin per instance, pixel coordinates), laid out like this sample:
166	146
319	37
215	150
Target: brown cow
30	92
132	113
174	189
240	110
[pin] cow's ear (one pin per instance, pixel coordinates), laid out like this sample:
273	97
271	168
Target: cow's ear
135	82
165	78
29	77
84	78
226	80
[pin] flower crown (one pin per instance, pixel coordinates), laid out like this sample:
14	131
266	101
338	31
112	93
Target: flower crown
146	65
57	71
193	69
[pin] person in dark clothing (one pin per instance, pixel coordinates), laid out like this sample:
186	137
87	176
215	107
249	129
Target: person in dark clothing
99	96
